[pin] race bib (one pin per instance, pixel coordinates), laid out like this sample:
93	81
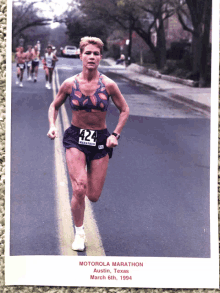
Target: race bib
88	137
49	63
21	66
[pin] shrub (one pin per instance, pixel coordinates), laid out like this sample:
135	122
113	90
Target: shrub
170	67
178	50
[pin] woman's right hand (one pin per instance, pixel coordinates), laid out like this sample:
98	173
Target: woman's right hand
52	133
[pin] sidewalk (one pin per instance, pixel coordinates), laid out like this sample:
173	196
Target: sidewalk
197	97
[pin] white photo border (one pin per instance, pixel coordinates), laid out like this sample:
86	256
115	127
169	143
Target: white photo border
155	272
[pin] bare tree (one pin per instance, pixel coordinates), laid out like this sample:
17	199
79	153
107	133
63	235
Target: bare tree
26	15
200	12
142	16
79	24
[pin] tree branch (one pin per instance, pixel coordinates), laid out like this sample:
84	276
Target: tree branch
32	24
184	26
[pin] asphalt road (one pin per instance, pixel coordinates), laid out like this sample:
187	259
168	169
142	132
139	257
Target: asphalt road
155	200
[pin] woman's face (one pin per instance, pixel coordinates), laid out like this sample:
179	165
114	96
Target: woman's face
91	56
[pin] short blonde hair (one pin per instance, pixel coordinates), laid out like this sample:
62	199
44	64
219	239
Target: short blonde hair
90	40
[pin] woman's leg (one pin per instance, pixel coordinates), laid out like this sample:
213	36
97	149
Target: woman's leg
21	74
76	162
32	70
18	75
50	75
35	73
46	76
96	173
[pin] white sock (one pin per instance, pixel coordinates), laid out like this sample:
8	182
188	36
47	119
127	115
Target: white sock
80	230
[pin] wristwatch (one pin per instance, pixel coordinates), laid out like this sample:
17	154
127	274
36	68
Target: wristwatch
116	135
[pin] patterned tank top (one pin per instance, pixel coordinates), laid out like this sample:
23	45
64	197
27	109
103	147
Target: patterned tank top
99	100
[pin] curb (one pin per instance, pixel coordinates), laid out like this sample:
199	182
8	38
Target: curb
170	95
150	72
187	82
191	102
137	81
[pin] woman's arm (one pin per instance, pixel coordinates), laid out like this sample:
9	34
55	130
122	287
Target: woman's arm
54	108
122	106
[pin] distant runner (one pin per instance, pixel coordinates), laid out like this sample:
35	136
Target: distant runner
20	57
38	46
35	62
48	62
16	60
54	50
29	61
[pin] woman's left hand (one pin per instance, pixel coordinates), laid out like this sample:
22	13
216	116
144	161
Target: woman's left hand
111	142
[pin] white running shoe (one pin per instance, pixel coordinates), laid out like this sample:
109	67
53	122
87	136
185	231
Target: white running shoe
49	86
17	82
79	242
29	78
21	84
46	84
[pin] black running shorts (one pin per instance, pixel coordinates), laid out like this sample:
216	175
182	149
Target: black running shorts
35	63
91	142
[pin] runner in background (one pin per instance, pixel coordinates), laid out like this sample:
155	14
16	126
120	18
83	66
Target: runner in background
38	46
17	68
20	57
29	61
54	50
48	63
35	62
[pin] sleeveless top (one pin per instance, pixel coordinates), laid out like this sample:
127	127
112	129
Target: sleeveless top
36	57
99	100
49	60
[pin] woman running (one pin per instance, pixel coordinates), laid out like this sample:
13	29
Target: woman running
88	142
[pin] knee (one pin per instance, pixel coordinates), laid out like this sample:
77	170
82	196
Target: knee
79	190
93	197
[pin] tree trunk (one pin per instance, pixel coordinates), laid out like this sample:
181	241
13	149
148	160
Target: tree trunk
161	46
196	50
205	45
130	43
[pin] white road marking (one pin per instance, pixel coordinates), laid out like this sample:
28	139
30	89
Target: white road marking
94	246
65	226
